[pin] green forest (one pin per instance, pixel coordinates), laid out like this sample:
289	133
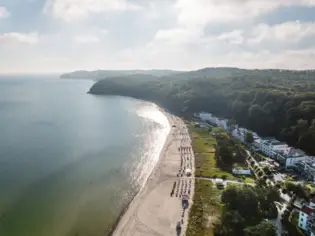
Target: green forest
279	103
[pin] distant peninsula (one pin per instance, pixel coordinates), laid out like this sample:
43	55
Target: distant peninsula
273	102
101	74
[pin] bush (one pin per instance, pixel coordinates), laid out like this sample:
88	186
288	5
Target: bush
273	212
296	189
224	177
260	181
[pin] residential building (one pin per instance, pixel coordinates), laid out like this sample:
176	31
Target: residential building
290	156
202	125
307	167
256	143
239	134
279	151
204	116
307	217
270	146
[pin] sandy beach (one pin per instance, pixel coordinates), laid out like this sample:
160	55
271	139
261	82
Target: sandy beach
158	208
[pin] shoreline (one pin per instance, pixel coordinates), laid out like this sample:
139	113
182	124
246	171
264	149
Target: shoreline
144	215
125	210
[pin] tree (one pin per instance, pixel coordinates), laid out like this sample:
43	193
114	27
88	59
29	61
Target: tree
269	102
249	137
263	229
232	223
225	156
296	189
306	141
233	198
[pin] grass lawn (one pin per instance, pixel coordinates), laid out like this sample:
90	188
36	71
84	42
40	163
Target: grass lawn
206	167
205	210
198	132
203	145
249	180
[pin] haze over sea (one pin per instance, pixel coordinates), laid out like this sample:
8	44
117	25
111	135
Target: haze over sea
70	162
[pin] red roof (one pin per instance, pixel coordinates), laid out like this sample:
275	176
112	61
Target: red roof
308	210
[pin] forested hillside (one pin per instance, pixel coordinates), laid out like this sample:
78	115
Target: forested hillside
278	103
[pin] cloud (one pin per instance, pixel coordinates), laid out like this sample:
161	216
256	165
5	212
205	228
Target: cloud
194	16
87	39
201	12
177	35
70	10
16	37
234	37
4	13
290	59
287	32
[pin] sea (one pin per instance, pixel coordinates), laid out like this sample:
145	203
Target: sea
70	162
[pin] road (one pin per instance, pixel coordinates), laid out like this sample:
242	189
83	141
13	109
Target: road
213	180
277	222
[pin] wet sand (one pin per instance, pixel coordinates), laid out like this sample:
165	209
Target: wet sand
157	208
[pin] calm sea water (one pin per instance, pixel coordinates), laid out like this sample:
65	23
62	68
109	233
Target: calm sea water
71	161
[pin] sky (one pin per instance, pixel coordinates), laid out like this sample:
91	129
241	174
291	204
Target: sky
66	35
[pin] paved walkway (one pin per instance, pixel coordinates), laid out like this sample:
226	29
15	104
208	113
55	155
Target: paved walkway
213	180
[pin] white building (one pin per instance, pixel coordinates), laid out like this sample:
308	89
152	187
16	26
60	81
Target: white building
270	146
241	171
239	134
307	218
208	117
290	156
205	116
307	167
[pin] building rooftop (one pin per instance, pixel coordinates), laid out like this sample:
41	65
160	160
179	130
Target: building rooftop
257	140
273	142
310	162
308	210
291	152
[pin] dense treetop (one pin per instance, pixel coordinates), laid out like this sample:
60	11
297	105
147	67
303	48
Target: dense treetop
278	103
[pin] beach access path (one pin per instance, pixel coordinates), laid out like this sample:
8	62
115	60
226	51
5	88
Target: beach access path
158	207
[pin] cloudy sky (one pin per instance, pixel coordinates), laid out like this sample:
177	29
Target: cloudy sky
66	35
